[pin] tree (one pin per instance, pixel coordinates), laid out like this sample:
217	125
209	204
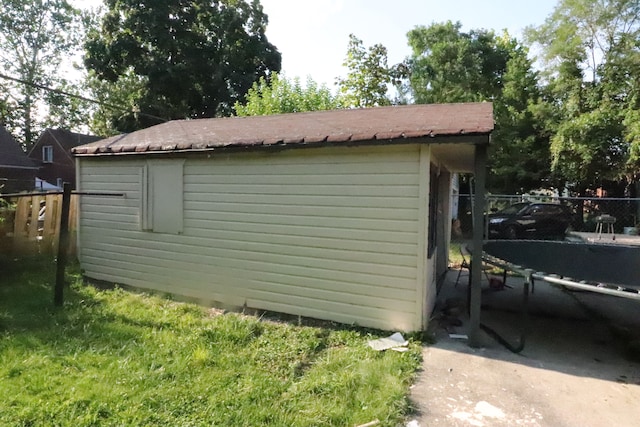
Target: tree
193	58
117	106
8	112
449	65
592	52
279	95
67	112
519	154
35	36
586	32
367	81
589	148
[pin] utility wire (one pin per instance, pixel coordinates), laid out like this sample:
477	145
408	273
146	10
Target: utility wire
83	98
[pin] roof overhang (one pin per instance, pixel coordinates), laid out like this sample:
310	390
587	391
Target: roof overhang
456	157
465	124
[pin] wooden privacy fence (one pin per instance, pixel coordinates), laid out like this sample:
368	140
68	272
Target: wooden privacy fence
45	223
31	224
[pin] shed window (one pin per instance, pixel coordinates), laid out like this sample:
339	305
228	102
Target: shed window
47	154
162	196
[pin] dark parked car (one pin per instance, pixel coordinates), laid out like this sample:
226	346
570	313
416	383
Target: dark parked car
530	221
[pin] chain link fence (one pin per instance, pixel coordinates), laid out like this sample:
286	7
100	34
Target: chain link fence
626	211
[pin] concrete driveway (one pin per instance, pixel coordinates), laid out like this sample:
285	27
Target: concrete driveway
580	366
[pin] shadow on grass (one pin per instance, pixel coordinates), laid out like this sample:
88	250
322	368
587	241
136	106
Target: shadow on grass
27	309
119	358
29	317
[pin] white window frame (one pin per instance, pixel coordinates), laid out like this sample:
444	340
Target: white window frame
47	154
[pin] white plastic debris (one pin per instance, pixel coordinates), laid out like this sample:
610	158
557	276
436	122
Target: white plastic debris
459	336
394	342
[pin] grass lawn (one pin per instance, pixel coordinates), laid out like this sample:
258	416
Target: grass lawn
455	257
115	358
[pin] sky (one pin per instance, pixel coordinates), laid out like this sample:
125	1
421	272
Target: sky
313	35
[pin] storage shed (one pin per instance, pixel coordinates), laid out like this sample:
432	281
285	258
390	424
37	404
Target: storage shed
340	215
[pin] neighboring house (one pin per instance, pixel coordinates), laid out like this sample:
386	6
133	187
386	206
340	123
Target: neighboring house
52	151
339	215
17	171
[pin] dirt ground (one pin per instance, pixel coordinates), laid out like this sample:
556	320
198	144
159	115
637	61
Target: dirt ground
580	365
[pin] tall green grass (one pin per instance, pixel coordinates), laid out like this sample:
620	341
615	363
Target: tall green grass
455	257
115	358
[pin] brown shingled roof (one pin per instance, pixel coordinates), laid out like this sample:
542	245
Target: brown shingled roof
388	124
69	140
11	154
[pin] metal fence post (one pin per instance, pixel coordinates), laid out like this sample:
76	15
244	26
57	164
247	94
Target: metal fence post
63	246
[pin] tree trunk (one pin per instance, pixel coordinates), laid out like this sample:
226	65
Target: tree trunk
28	135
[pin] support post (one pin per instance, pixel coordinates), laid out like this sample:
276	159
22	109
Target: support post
63	245
475	300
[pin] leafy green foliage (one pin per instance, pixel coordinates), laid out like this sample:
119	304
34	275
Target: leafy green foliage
592	54
64	111
367	81
119	358
519	154
632	134
366	85
195	58
35	36
584	32
589	148
448	65
279	95
118	106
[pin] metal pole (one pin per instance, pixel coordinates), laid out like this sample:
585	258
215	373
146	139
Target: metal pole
63	245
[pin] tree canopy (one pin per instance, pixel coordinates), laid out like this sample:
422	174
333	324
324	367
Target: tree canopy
368	76
450	65
575	122
574	119
279	95
188	58
35	37
366	85
591	50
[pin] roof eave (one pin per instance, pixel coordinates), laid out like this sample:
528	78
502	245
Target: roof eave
482	137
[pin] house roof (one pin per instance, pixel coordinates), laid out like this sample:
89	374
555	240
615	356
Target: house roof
378	125
69	140
11	154
65	139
